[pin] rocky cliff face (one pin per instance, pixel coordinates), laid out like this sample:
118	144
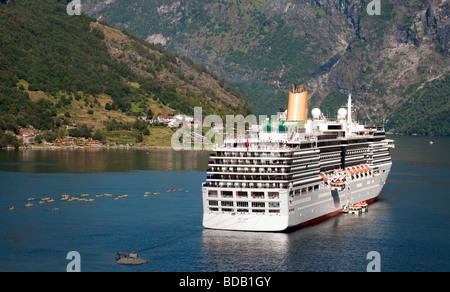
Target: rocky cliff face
438	23
404	47
333	46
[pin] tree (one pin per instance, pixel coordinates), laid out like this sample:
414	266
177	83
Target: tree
150	114
139	138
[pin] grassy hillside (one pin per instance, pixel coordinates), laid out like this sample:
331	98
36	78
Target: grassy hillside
56	70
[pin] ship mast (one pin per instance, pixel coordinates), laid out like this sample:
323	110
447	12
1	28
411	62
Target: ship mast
349	110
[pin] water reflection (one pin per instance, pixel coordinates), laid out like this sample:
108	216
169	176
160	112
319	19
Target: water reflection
101	160
244	251
340	243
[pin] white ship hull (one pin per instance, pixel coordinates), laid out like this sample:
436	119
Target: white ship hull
295	211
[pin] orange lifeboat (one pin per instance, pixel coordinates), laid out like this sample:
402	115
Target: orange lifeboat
364	206
354	209
338	182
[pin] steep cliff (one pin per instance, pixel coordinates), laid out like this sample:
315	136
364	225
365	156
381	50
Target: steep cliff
335	47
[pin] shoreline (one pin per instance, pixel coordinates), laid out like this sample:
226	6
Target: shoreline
55	148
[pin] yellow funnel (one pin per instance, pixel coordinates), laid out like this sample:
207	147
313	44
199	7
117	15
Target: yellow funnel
297	104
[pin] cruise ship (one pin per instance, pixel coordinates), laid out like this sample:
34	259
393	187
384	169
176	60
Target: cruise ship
292	171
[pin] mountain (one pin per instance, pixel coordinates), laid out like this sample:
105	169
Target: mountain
334	47
58	70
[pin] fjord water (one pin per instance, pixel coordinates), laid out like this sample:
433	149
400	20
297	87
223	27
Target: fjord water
409	225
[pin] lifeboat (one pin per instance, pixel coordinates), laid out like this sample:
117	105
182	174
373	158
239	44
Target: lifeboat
364	206
338	182
354	209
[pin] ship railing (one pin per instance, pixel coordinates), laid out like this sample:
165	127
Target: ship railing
261	185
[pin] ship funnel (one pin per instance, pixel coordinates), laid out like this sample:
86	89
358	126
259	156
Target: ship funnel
298	104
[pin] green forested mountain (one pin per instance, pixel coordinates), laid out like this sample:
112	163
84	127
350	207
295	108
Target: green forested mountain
426	111
57	69
334	47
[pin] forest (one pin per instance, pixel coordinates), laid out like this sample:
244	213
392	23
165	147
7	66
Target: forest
426	111
51	62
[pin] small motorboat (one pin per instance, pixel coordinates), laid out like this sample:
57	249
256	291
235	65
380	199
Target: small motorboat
129	259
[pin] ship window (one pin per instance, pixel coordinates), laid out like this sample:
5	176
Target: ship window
304	191
334	127
226	203
274	211
258	204
274	204
310	189
212	193
227	210
258	195
242	210
242	194
242	204
274	195
214	209
316	187
227	194
213	203
258	211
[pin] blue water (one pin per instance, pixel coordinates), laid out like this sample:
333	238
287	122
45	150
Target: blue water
409	225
